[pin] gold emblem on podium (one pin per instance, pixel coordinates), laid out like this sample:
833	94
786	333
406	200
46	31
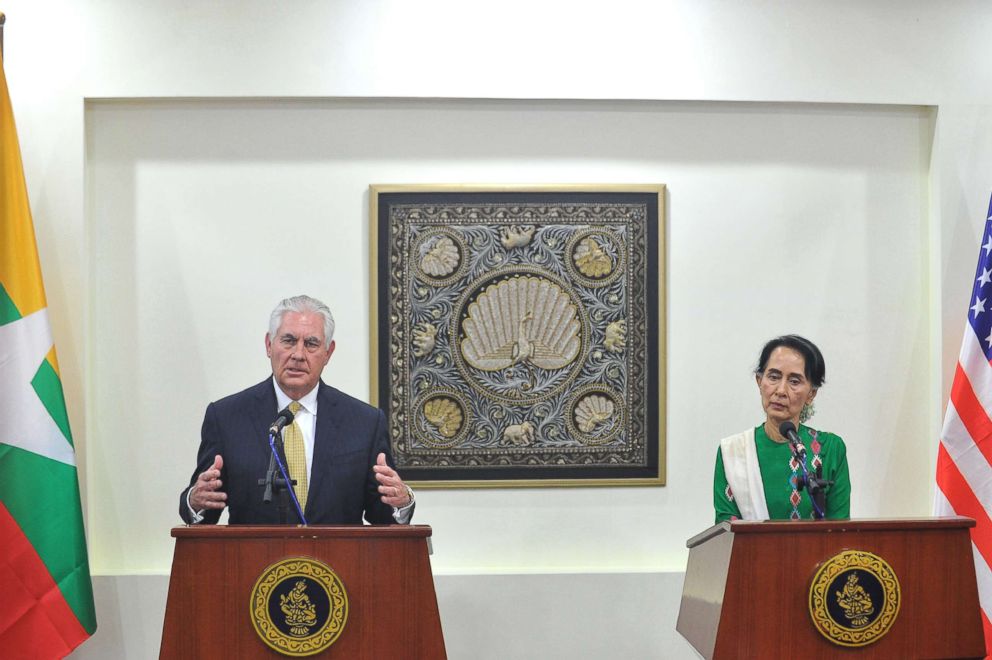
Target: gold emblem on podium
854	598
299	606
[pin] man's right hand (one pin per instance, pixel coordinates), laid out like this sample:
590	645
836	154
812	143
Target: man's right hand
206	493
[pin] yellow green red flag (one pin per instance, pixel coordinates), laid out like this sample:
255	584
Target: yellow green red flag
46	604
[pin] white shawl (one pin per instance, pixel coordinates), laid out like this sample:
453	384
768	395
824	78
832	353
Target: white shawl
740	465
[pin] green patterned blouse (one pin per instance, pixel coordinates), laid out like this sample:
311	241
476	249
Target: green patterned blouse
778	477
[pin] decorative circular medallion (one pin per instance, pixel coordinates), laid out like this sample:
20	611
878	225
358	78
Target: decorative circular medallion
298	606
595	415
439	256
595	257
854	598
441	419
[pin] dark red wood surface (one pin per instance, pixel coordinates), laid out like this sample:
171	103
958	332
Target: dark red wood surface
747	587
385	570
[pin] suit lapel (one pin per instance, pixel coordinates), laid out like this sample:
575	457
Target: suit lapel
325	435
263	412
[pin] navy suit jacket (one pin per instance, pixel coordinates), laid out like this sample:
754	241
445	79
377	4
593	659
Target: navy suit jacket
348	437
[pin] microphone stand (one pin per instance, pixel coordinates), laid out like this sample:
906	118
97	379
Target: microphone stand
817	489
814	484
280	482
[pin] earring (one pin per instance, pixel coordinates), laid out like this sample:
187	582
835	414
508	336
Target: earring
808	411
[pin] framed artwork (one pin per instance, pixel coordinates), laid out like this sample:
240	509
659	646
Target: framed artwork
518	333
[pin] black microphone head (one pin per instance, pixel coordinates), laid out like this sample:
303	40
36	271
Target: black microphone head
285	418
786	427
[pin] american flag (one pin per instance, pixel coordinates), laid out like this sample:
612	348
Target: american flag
964	456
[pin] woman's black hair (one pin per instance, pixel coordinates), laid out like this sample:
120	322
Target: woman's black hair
816	370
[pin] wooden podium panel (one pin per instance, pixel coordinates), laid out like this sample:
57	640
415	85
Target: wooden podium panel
746	592
384	569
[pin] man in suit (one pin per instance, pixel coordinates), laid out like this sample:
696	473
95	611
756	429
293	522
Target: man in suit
337	446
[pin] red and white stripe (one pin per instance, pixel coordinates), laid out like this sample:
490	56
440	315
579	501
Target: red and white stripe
964	462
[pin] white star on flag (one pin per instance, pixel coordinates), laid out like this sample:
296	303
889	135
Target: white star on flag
27	423
979	306
988	244
985	277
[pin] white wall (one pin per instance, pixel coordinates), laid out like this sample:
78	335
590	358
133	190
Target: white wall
842	176
782	218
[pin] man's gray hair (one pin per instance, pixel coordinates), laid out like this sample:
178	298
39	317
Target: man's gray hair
300	305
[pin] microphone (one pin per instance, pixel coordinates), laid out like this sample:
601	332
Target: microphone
788	429
285	417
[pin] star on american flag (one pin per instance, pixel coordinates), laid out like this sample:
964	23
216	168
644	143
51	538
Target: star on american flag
979	306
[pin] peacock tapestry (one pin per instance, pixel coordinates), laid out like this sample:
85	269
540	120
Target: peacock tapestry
518	333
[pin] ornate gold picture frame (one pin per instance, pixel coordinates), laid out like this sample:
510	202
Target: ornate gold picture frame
518	333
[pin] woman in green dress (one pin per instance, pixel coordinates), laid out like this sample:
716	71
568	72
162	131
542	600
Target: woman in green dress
756	474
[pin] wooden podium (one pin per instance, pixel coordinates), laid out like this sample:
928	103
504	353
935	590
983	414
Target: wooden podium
747	590
385	572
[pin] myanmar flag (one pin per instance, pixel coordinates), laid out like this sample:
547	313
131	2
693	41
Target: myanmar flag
46	598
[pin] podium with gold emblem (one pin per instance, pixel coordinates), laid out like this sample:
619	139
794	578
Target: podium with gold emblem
825	589
327	592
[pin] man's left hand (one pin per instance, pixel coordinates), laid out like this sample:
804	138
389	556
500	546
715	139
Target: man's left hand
391	488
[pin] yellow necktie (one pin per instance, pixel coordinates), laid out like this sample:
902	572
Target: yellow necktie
296	457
